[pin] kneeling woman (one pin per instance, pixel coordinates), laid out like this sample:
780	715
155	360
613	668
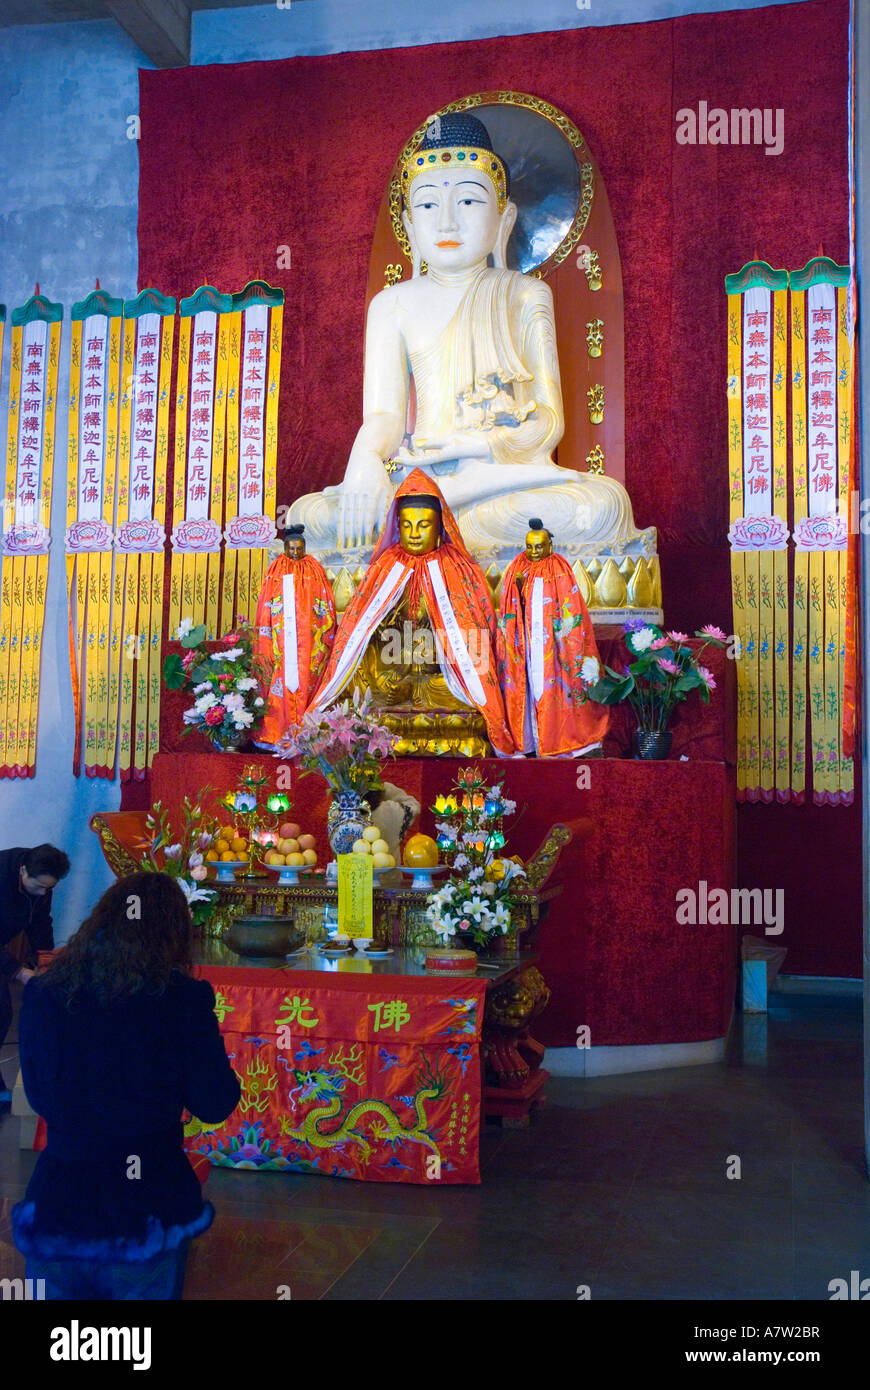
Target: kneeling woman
117	1039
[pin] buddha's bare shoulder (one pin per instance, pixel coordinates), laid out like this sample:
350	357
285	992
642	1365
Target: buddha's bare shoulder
394	298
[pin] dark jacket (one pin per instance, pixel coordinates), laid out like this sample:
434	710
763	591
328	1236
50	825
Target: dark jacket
21	912
111	1083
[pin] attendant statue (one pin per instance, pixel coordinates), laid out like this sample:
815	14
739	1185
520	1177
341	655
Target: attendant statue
294	633
420	634
548	654
479	343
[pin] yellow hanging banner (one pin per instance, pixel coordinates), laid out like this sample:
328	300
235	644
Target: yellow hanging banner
36	328
821	413
251	465
758	532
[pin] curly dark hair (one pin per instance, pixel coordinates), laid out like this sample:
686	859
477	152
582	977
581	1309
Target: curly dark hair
138	933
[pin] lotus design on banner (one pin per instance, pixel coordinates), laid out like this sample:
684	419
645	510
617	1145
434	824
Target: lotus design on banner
198	535
758	533
140	536
828	532
249	532
88	536
27	538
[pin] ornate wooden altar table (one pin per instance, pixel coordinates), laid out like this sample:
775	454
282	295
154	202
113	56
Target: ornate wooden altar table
357	1068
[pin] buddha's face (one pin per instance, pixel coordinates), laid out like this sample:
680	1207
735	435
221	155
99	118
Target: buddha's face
538	545
419	530
294	548
455	217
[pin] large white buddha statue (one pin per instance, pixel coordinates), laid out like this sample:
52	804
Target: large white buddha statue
479	343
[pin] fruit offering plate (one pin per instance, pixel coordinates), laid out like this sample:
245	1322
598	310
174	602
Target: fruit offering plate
423	875
225	869
288	874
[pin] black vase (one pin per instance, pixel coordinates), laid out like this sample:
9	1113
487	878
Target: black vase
655	743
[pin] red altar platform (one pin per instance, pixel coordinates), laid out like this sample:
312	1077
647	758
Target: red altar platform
352	1068
611	949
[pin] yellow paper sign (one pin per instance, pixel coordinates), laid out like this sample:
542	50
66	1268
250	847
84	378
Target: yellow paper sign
355	894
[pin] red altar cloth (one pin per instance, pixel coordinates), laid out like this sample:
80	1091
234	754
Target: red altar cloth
610	948
354	1077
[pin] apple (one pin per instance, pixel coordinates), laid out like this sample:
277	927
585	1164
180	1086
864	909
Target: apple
296	860
307	842
288	846
310	856
289	830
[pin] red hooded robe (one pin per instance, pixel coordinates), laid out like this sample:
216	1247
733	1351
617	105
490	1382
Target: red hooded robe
457	601
544	635
294	633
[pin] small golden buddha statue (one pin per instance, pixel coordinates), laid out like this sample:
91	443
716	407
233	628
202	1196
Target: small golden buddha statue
420	635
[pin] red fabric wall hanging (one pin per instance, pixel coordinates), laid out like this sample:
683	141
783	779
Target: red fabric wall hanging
239	160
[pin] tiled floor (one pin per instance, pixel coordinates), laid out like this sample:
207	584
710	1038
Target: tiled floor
620	1185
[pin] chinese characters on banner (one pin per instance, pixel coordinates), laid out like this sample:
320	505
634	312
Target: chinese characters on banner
121	357
149	330
26	539
822	341
225	453
374	1078
758	531
92	460
252	446
786	679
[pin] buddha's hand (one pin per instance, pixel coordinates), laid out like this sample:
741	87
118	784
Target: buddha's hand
459	444
362	510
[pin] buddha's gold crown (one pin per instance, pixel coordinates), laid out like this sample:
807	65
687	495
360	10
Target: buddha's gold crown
457	157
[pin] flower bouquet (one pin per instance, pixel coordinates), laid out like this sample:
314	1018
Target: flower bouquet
475	902
183	859
347	744
662	675
228	705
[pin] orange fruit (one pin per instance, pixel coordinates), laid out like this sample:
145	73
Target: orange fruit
221	845
242	855
238	843
228	855
212	856
227	832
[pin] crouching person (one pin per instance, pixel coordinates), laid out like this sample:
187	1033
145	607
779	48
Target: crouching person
116	1040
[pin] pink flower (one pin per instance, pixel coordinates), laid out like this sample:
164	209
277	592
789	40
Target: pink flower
678	636
659	643
215	715
709	630
199	873
188	659
231	640
670	666
707	677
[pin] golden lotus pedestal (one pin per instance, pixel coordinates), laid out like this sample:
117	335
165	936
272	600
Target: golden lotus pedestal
436	733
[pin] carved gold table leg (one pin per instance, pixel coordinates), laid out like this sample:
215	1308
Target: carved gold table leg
514	1077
